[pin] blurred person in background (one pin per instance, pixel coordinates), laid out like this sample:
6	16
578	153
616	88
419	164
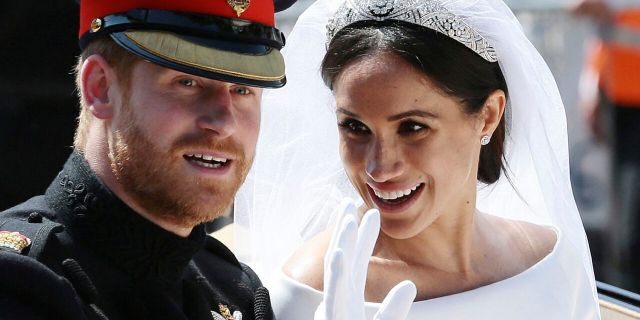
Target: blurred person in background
610	99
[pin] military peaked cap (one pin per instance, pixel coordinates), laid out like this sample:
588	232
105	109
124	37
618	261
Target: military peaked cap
228	40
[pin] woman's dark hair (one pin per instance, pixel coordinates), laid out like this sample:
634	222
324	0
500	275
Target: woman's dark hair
455	69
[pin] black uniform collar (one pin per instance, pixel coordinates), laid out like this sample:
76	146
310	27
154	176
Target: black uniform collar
94	216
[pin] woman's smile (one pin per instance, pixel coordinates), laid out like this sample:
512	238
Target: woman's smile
395	201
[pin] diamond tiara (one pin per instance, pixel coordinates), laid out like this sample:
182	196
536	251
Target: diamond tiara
427	13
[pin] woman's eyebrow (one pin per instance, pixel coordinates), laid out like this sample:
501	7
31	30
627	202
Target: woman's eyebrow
347	112
411	113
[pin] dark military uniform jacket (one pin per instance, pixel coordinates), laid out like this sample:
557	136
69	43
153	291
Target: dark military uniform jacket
92	257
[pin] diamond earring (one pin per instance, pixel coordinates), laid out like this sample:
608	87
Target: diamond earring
485	140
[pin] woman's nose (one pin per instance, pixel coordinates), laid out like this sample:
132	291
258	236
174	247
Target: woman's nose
384	162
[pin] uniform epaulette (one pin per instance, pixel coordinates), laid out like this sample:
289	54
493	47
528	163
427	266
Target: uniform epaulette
26	231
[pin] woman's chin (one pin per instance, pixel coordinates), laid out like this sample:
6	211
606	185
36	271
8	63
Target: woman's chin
404	226
397	230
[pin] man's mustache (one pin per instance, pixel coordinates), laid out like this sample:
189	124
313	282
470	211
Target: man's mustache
210	142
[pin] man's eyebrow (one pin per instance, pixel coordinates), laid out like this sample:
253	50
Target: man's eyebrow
412	113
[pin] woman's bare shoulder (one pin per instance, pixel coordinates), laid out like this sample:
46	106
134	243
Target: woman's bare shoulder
306	265
533	241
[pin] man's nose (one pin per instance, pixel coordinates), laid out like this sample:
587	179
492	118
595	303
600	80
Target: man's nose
384	161
217	113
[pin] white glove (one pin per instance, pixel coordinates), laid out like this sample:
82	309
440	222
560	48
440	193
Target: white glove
345	272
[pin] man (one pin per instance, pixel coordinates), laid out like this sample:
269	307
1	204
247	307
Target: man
170	109
610	95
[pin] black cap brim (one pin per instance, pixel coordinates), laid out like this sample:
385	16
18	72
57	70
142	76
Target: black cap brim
260	68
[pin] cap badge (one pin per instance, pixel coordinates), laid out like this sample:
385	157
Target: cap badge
14	240
96	25
239	6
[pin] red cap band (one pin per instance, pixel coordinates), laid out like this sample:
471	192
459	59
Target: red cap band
259	11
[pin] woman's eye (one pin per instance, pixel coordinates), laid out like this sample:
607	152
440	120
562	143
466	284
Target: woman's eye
354	126
241	90
411	127
188	82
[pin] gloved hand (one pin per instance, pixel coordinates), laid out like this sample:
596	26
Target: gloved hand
345	272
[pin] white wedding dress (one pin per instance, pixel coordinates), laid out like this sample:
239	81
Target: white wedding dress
532	294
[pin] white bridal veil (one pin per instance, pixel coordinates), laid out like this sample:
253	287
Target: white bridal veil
297	179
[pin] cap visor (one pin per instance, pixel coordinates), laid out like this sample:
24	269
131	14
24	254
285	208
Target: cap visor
170	50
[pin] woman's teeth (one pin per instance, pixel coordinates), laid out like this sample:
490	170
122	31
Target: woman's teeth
393	195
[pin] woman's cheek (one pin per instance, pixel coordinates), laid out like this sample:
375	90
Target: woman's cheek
352	154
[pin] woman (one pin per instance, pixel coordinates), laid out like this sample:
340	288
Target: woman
445	111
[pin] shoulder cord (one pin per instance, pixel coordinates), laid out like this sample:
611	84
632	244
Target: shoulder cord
84	286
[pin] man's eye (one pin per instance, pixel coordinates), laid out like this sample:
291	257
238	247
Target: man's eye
188	82
353	126
241	90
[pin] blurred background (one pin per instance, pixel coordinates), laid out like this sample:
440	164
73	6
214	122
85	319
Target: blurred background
38	107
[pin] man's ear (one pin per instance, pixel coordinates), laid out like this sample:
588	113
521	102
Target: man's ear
492	112
96	78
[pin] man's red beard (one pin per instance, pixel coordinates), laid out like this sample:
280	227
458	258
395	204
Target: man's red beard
157	180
